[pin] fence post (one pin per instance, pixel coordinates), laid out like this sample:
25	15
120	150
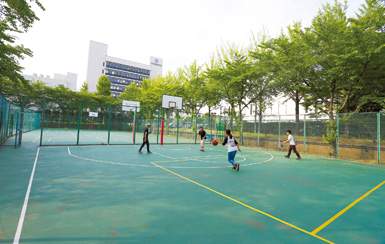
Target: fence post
379	137
158	124
177	127
195	129
17	128
41	128
304	133
7	120
337	135
259	131
134	128
78	125
241	130
109	125
279	131
162	128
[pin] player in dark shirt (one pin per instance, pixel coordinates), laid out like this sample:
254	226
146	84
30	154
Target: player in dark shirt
145	139
202	134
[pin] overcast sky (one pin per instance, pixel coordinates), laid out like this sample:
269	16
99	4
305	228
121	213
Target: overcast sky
178	31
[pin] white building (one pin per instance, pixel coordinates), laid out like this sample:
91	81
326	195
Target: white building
121	72
68	80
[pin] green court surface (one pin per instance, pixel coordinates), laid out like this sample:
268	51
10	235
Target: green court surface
177	194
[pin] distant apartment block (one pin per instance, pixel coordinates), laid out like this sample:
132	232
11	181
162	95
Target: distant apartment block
121	72
68	80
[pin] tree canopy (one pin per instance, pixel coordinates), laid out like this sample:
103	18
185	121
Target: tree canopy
336	64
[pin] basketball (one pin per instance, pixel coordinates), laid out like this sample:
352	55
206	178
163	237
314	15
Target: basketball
214	142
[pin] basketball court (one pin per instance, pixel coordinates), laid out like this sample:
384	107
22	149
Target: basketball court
91	185
177	194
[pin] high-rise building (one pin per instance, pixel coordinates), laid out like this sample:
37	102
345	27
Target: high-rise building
68	80
121	72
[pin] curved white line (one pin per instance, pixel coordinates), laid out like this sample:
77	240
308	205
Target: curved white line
162	155
105	161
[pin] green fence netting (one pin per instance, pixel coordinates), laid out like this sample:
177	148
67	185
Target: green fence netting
14	121
353	136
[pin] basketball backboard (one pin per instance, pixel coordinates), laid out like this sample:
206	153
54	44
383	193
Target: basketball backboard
130	106
172	102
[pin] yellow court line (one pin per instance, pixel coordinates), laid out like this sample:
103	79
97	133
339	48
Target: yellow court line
242	203
337	215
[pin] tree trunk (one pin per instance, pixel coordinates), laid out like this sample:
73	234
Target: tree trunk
297	101
231	114
255	118
240	122
210	119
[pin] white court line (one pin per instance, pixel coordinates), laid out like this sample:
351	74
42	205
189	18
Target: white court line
185	159
19	228
165	156
106	161
216	167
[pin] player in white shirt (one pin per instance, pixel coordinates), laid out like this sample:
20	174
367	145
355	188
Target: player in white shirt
232	148
292	145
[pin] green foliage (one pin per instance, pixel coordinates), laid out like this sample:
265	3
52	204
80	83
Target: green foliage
231	72
193	82
149	93
16	16
84	88
348	73
103	87
331	136
290	64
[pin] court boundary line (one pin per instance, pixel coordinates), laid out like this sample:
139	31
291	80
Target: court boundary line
20	223
347	208
242	203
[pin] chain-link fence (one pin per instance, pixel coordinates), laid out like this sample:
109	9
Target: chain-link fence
113	126
354	136
14	121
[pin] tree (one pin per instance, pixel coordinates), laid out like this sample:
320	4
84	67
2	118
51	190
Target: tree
84	88
132	92
103	87
368	63
212	94
193	82
231	71
15	17
331	82
291	64
263	76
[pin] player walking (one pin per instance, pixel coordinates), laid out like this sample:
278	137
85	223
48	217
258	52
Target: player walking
292	145
145	139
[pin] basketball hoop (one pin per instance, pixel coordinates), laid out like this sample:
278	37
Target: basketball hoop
171	105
